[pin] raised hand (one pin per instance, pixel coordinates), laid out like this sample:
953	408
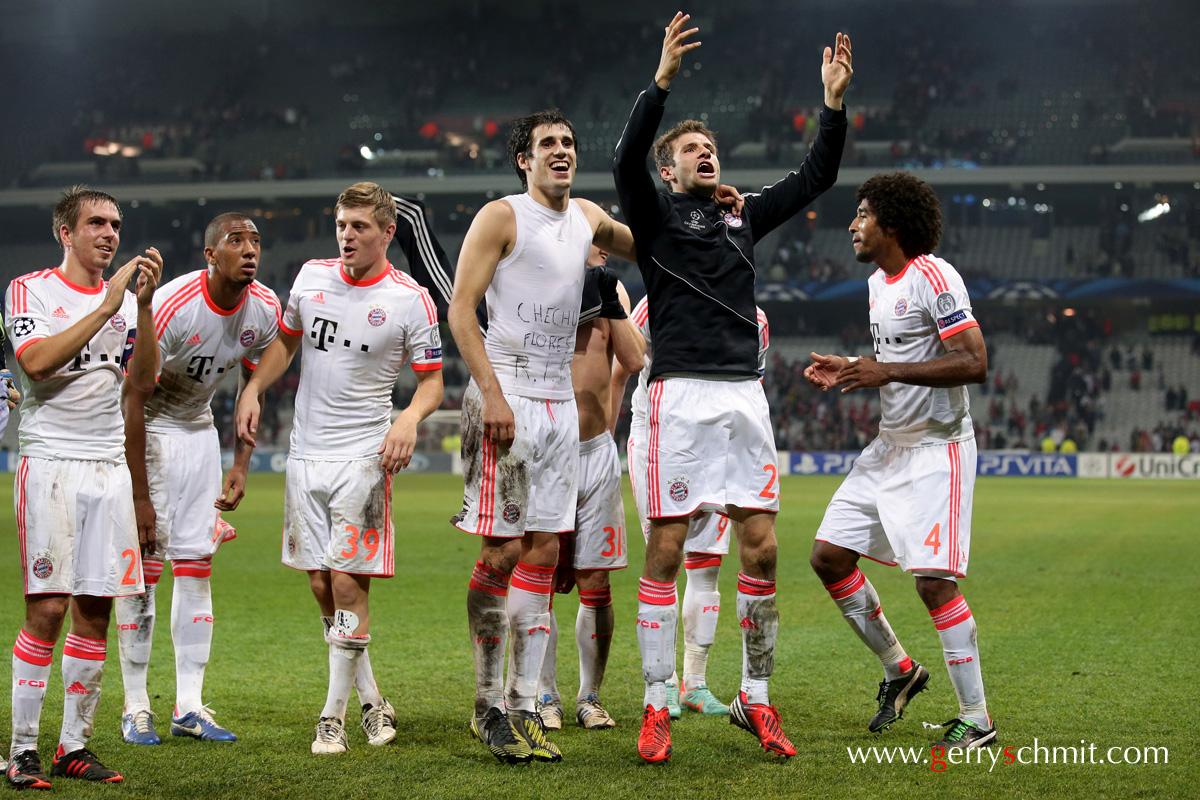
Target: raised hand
836	71
674	46
115	294
151	268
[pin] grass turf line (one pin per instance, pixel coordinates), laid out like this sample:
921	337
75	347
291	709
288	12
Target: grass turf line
1082	592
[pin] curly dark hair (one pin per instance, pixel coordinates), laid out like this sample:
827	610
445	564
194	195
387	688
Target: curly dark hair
520	140
907	207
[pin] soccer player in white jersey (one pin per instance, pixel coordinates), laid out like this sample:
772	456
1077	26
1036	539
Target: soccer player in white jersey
74	335
706	543
209	324
907	500
359	320
597	545
526	253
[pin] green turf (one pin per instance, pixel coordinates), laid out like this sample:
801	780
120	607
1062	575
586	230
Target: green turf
1083	592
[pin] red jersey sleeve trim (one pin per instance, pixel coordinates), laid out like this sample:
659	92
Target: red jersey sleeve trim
430	367
248	364
21	349
288	330
959	328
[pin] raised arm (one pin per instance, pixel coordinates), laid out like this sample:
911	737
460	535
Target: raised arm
488	240
635	188
608	234
779	202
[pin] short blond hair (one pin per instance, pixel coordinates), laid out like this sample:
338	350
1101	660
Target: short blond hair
372	196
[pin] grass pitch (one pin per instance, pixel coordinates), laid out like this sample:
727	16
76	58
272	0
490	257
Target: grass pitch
1083	592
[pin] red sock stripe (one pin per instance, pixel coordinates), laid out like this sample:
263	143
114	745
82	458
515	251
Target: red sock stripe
191	569
596	598
905	664
489	580
152	571
701	561
847	586
89	649
656	594
951	614
755	586
33	650
531	578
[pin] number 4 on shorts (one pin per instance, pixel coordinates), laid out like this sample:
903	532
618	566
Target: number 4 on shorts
934	539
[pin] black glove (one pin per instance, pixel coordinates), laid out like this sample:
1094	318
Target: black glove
610	301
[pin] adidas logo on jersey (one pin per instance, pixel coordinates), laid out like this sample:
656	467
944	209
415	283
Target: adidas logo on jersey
319	297
61	313
77	688
195	339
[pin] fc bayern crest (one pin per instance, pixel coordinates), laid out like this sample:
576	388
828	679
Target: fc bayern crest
732	220
901	306
377	316
512	513
291	545
118	323
43	568
247	338
679	490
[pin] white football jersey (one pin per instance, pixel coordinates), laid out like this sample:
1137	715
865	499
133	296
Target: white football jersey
641	319
910	316
200	343
76	412
357	335
533	300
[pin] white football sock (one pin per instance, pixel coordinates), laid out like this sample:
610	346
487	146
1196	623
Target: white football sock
487	618
82	669
657	620
859	604
529	630
593	638
30	672
191	632
960	648
759	618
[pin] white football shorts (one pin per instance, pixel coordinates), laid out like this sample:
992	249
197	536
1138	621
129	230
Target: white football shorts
184	472
907	505
530	485
337	515
600	514
76	526
709	532
710	444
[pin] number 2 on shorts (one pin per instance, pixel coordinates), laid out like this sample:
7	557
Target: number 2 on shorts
767	493
130	578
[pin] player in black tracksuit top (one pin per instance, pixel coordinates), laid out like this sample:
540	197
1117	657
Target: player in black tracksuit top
711	445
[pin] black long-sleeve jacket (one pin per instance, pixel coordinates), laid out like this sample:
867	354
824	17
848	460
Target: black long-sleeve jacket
698	261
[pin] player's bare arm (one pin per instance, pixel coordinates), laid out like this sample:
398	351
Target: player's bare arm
401	439
836	71
489	239
274	362
233	488
608	234
628	344
675	45
133	407
43	358
965	362
142	369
